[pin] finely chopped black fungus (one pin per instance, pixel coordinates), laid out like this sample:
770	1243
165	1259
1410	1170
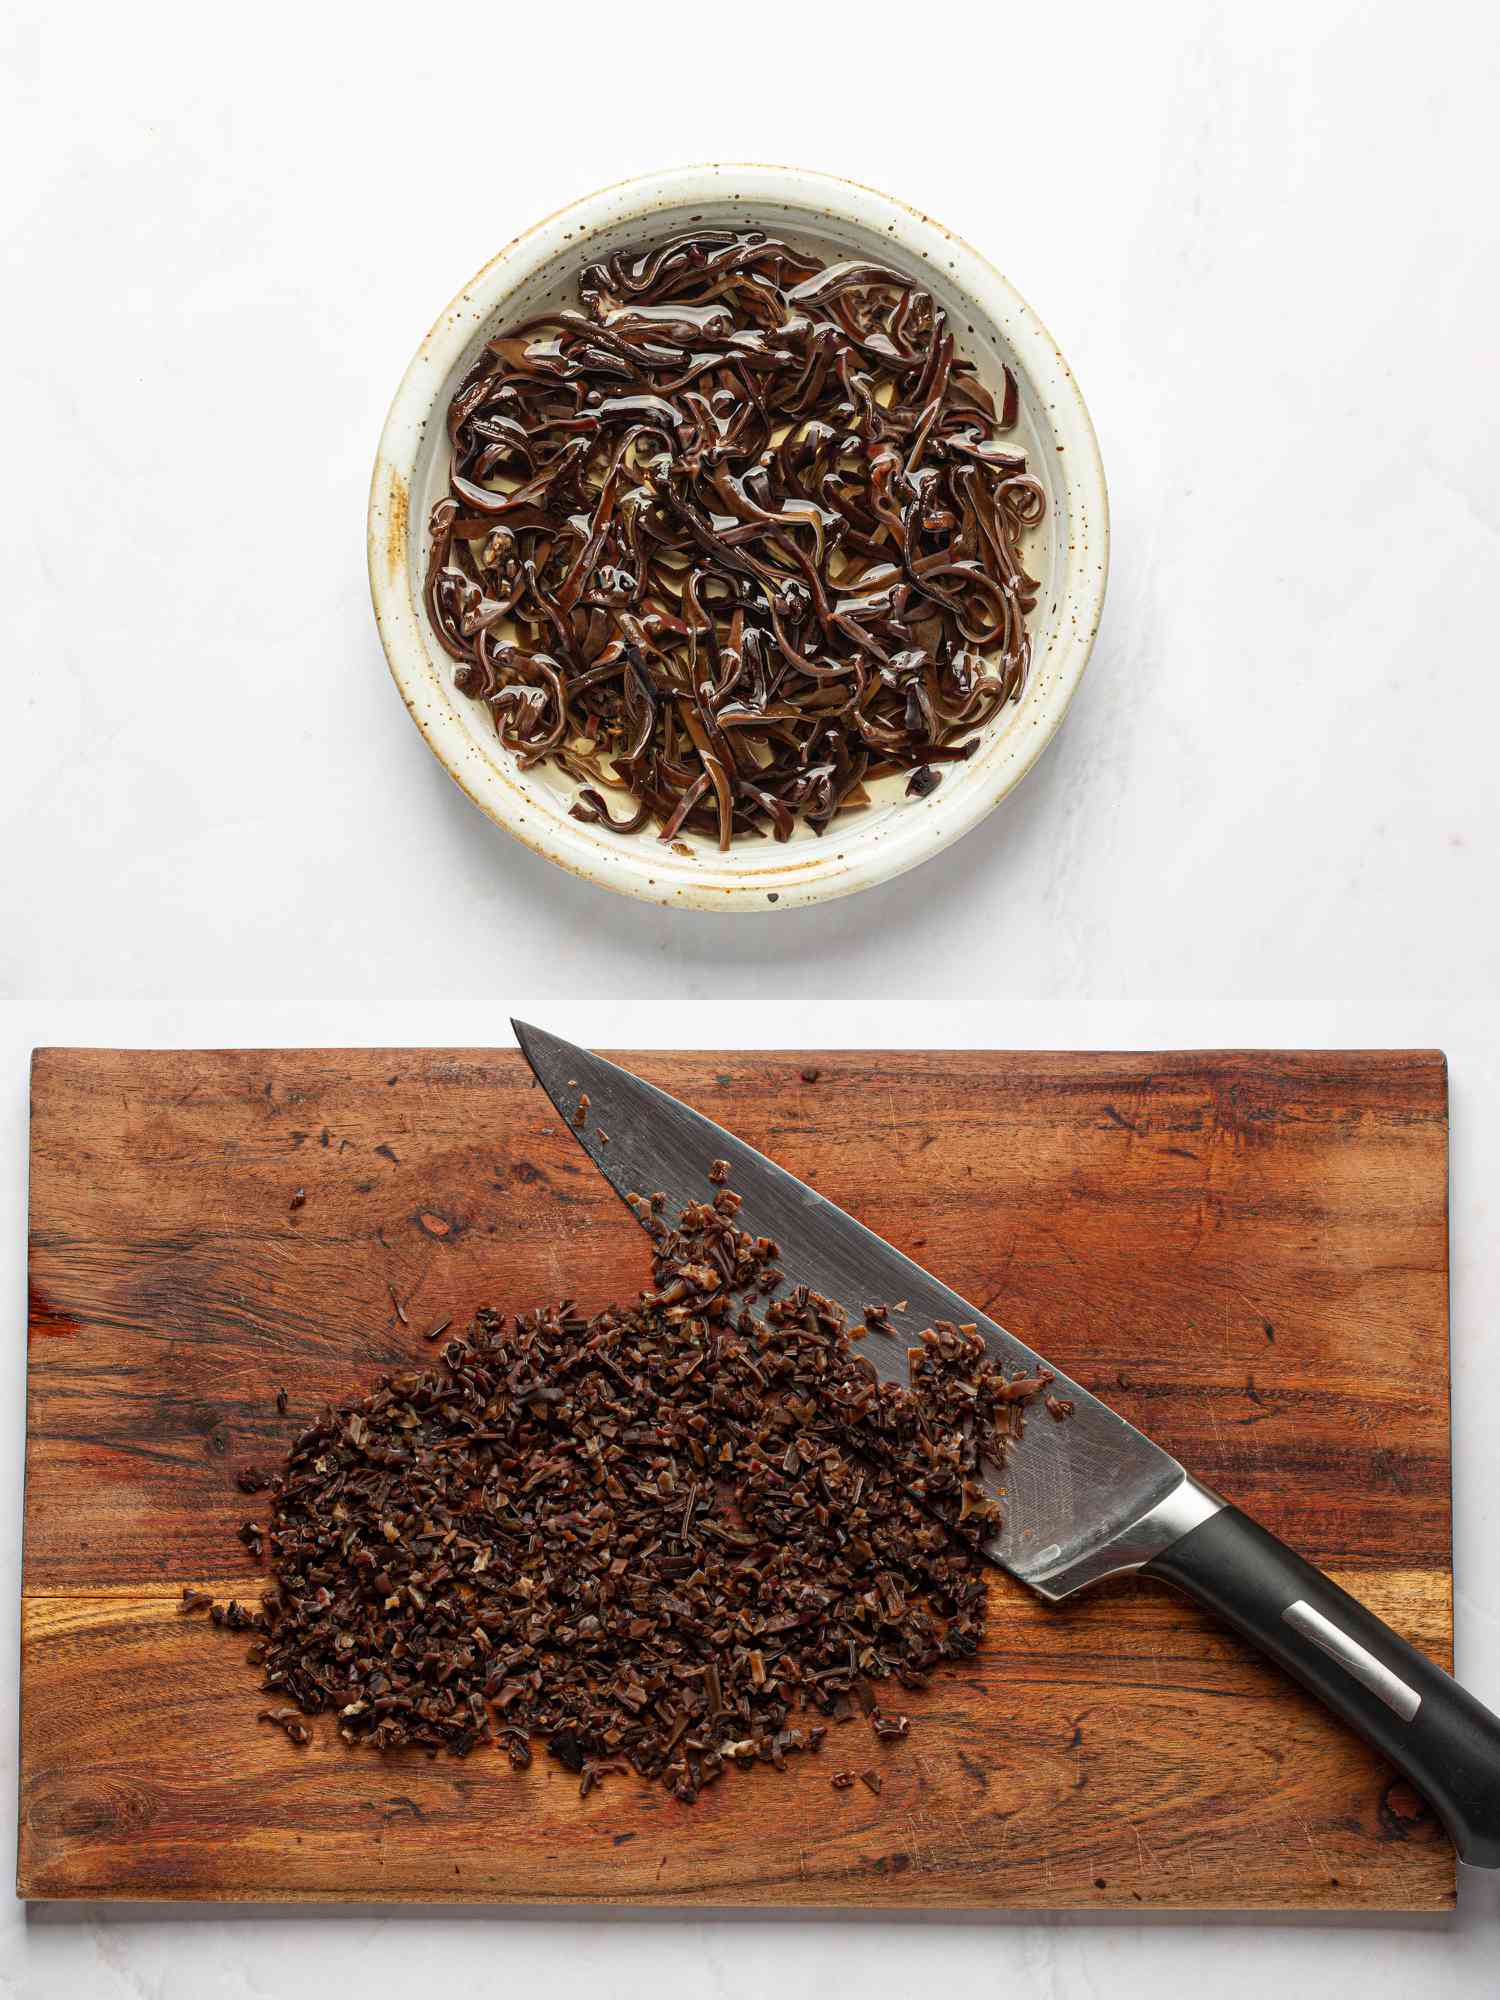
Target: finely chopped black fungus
732	536
676	1536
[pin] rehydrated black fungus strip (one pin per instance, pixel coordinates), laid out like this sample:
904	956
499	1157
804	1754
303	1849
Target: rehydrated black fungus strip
670	1537
733	537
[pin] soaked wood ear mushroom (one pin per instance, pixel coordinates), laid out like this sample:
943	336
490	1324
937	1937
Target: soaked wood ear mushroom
733	536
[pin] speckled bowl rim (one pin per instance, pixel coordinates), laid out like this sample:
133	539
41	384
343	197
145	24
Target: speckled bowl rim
847	858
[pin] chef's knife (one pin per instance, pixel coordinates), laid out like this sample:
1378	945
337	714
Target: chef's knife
1088	1498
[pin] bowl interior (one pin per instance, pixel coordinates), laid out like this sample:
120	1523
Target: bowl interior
535	803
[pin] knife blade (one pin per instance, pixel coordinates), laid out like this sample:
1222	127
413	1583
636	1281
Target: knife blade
1084	1499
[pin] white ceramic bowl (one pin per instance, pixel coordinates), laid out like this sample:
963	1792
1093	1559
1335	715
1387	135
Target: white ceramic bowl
1070	553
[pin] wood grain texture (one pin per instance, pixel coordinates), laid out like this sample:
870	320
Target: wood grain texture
1247	1253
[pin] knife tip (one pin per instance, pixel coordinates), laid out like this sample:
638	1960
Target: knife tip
544	1052
525	1036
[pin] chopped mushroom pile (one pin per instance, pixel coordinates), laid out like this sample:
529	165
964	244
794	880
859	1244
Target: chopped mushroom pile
680	1535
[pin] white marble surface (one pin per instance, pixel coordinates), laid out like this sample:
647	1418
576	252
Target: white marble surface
1267	240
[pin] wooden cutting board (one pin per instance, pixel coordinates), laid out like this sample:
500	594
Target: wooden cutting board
1246	1253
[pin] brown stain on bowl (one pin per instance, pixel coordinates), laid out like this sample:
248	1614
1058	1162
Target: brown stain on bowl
397	527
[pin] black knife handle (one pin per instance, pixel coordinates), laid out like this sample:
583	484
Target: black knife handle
1439	1736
